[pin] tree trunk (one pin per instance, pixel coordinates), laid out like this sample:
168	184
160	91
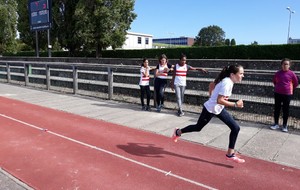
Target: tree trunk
98	51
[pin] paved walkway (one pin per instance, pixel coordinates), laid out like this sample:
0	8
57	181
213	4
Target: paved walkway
255	140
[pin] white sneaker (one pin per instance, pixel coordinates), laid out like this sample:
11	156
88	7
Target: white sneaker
284	129
274	127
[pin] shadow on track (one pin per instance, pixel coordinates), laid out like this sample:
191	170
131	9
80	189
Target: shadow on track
150	150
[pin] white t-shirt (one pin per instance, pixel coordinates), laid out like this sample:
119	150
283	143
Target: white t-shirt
163	74
180	74
223	88
144	81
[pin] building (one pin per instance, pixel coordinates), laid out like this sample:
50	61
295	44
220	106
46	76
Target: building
184	41
138	41
294	41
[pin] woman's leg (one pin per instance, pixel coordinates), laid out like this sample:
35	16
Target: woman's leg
142	95
235	128
285	108
204	118
277	107
232	124
147	88
156	88
178	96
162	90
182	95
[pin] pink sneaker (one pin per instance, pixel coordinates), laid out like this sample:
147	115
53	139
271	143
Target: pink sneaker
236	159
174	136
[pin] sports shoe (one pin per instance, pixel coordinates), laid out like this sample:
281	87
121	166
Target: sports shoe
180	113
273	127
284	128
148	108
234	158
175	137
158	109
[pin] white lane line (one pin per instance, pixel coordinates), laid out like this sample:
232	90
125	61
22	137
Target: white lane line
168	173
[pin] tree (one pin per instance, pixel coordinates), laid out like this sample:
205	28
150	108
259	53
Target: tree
227	42
210	36
232	42
103	23
65	25
254	43
82	24
8	20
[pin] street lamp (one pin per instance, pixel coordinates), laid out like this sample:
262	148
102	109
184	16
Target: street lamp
289	9
170	33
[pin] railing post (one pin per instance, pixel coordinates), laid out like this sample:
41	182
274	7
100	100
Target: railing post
110	82
75	79
26	76
48	83
8	72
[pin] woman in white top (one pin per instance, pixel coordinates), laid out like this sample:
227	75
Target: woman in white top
160	82
144	84
179	81
215	106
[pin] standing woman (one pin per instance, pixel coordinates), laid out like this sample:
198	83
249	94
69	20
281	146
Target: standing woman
160	81
179	81
285	82
144	84
215	106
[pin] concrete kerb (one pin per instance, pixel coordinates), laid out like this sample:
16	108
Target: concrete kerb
8	181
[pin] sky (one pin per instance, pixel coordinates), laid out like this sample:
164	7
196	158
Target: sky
246	21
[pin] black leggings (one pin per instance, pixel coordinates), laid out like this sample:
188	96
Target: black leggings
283	101
159	86
145	89
224	116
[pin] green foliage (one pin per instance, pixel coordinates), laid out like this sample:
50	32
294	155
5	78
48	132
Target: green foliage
8	19
232	42
227	42
254	43
81	25
104	23
222	52
66	27
210	36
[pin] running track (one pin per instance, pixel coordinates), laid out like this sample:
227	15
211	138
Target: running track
50	149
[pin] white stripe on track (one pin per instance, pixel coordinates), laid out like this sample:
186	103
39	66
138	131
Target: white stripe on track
168	173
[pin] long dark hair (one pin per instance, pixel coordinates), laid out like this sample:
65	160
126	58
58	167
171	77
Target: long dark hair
142	64
226	72
162	56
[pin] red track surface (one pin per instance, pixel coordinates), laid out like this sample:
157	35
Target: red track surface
81	153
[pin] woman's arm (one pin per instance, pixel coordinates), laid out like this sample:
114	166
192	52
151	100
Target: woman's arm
223	101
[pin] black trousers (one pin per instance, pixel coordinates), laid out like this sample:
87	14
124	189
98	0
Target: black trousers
282	101
145	90
159	86
224	116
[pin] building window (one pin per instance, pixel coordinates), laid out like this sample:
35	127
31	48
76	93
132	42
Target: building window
139	40
147	41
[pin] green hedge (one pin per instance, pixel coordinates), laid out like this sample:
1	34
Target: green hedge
291	51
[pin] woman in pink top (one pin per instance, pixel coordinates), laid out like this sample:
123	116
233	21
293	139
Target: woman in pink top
285	82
